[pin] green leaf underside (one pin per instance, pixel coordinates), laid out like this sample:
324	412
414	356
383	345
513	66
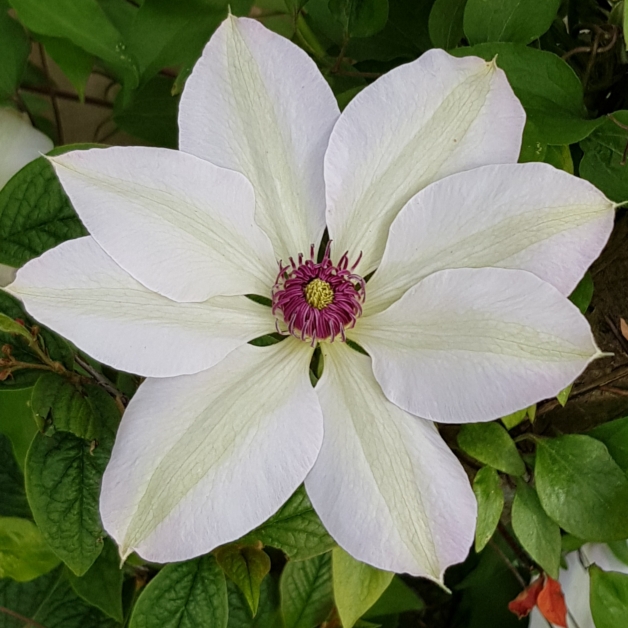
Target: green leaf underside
192	594
491	444
357	586
537	533
63	474
490	498
307	594
268	613
581	487
246	567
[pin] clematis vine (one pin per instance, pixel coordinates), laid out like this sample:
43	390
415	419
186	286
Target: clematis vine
403	225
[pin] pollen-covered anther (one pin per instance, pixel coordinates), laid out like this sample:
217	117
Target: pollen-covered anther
319	294
317	300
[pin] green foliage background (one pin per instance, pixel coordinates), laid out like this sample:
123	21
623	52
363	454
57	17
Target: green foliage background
547	479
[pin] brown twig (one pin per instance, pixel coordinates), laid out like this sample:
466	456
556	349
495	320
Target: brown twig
121	400
508	564
53	94
618	373
625	127
614	390
514	546
88	100
620	337
26	620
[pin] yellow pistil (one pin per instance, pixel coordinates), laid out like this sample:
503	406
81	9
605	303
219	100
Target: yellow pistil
318	294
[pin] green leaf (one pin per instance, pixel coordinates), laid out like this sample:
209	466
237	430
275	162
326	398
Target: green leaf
620	550
16	420
25	598
397	598
74	62
246	567
490	498
445	23
11	326
537	533
150	113
307	592
603	157
357	586
101	586
483	596
559	157
35	214
583	293
491	444
167	34
295	529
609	598
14	51
360	18
63	475
85	24
192	594
24	555
614	435
268	614
13	502
563	395
581	488
520	21
85	410
547	87
64	609
512	420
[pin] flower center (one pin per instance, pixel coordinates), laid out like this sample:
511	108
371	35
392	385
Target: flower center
317	300
319	294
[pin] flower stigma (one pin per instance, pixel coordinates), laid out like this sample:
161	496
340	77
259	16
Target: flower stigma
317	300
319	294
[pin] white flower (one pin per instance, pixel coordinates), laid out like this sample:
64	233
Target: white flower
466	318
20	143
576	586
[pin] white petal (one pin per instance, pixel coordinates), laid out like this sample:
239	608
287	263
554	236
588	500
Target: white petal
180	225
385	485
471	345
20	142
523	216
200	460
81	293
416	124
256	103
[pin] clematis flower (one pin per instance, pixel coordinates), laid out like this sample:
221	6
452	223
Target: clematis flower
576	586
464	319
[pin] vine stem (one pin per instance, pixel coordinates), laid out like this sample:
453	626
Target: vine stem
26	620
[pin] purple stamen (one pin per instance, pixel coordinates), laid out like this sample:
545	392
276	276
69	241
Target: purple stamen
318	301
